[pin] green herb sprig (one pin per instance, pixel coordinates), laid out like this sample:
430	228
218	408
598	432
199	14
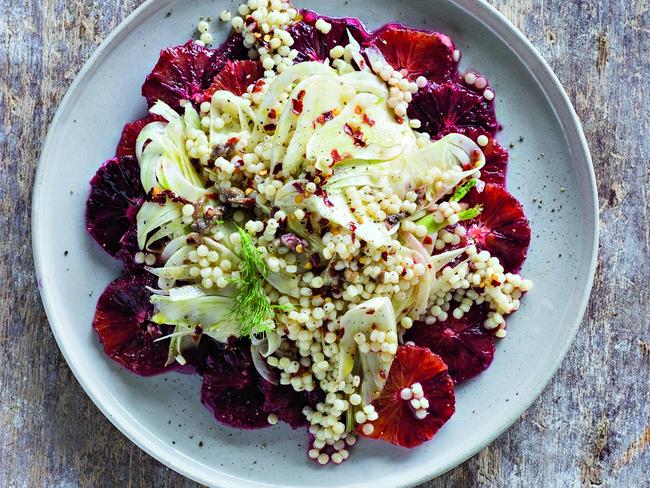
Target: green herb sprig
467	214
470	213
463	190
252	309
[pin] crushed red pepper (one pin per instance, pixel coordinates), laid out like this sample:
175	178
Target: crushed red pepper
325	117
353	230
259	86
296	103
321	193
355	134
336	156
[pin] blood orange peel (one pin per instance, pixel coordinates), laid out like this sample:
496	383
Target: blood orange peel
178	75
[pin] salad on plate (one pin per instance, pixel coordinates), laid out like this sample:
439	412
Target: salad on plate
313	217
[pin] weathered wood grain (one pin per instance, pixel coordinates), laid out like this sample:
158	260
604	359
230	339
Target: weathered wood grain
591	426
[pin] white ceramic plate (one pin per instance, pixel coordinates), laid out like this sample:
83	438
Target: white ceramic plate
550	171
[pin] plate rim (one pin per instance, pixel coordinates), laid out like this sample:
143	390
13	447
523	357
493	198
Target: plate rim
558	99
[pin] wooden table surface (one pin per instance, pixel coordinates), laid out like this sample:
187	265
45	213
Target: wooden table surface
590	427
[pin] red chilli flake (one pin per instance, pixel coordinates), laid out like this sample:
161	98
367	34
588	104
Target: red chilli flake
297	104
367	120
273	114
355	134
321	193
259	86
336	156
232	141
325	117
353	230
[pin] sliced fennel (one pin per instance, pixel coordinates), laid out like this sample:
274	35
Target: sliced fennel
164	162
366	130
335	208
353	100
164	110
365	82
166	219
373	366
285	283
190	307
322	94
241	115
440	166
287	78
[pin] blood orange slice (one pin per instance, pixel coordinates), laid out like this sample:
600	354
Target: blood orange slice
313	45
285	402
448	107
496	157
416	52
122	323
178	75
235	77
501	228
116	195
397	422
230	388
232	49
463	344
130	133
